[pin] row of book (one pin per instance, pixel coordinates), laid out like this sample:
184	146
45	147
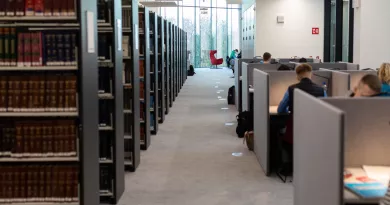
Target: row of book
141	68
127	18
37	8
54	138
104	47
38	93
26	49
48	183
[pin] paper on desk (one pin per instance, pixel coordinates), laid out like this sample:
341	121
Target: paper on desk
379	173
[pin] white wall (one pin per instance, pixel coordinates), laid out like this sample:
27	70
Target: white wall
293	37
372	33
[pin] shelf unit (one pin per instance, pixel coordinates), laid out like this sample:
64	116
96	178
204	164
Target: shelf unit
171	62
161	69
111	119
167	60
131	84
144	75
154	72
49	107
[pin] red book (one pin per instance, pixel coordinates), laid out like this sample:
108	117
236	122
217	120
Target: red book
56	9
29	7
71	8
38	7
19	11
10	9
3	6
27	49
48	5
20	49
35	53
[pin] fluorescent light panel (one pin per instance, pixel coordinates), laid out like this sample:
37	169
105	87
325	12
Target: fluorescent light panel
159	3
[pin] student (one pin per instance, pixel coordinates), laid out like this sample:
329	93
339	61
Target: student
303	60
267	58
304	73
284	67
384	77
233	54
369	86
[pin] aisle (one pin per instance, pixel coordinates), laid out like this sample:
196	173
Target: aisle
190	161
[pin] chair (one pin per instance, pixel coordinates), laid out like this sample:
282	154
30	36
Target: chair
285	145
215	61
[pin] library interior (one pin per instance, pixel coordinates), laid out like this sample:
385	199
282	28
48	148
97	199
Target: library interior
172	102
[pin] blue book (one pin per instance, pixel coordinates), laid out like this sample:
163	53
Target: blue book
367	189
151	101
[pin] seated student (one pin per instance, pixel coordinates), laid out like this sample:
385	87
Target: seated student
284	67
384	77
303	60
304	73
267	58
369	86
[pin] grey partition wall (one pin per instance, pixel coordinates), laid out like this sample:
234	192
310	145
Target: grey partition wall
367	130
237	74
340	83
356	75
261	119
279	81
318	146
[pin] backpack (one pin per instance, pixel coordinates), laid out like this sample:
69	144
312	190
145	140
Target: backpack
191	71
244	123
231	96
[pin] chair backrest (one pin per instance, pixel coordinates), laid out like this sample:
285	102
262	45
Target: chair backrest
212	53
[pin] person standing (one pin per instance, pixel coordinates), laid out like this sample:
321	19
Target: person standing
232	58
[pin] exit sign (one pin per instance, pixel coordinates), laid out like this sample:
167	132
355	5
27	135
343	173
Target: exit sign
315	31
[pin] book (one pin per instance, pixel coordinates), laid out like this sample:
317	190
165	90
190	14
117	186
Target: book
69	184
61	93
71	7
59	42
27	49
48	42
53	105
17	91
48	5
10	103
25	94
72	92
3	6
19	8
2	46
38	7
10	8
55	58
56	9
54	184
42	183
62	183
125	46
41	93
67	49
29	8
13	55
36	49
48	180
74	44
20	50
6	42
372	189
63	8
3	93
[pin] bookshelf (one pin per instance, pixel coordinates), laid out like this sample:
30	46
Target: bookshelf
144	75
171	62
110	94
174	63
161	69
154	72
131	87
49	103
177	58
167	60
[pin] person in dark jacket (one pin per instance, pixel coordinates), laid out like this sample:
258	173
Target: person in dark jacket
304	73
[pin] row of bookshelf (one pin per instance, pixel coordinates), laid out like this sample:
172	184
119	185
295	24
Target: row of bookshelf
18	8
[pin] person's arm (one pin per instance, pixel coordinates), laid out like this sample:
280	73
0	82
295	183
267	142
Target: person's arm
283	105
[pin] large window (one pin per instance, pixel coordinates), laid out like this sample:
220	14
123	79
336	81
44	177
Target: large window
210	25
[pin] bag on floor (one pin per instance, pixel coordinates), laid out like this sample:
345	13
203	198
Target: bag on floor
231	96
249	140
191	71
244	123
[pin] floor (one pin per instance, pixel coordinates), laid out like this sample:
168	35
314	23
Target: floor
191	160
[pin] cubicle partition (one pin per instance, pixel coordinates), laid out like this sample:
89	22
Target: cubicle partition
237	76
356	75
338	66
341	133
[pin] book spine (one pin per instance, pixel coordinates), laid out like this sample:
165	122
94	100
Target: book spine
30	93
56	8
10	9
23	180
74	49
27	49
54	94
19	8
48	182
35	53
36	93
38	7
1	46
62	183
10	179
67	49
6	37
26	140
50	138
3	6
48	7
16	185
47	93
48	38
10	104
72	139
42	184
29	8
54	184
41	93
29	184
61	93
18	149
17	91
71	7
13	55
60	49
36	183
3	93
57	139
24	95
20	49
65	138
64	8
75	188
54	51
39	49
72	93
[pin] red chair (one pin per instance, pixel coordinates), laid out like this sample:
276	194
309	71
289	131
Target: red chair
215	61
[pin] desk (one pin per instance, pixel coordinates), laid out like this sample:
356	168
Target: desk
273	110
350	197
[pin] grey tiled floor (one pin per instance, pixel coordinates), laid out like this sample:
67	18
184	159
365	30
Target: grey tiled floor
190	161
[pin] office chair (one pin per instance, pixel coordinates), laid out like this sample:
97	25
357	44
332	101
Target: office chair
215	61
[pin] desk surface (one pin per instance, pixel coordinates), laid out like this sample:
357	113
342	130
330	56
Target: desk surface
350	197
273	110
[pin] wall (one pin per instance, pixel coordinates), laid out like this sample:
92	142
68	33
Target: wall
372	33
294	37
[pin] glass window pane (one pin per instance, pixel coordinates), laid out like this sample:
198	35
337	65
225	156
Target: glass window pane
205	37
222	34
189	27
235	28
171	14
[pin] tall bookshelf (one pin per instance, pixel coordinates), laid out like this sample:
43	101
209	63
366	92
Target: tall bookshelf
154	72
144	76
167	57
110	93
49	105
171	63
131	84
174	66
161	69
